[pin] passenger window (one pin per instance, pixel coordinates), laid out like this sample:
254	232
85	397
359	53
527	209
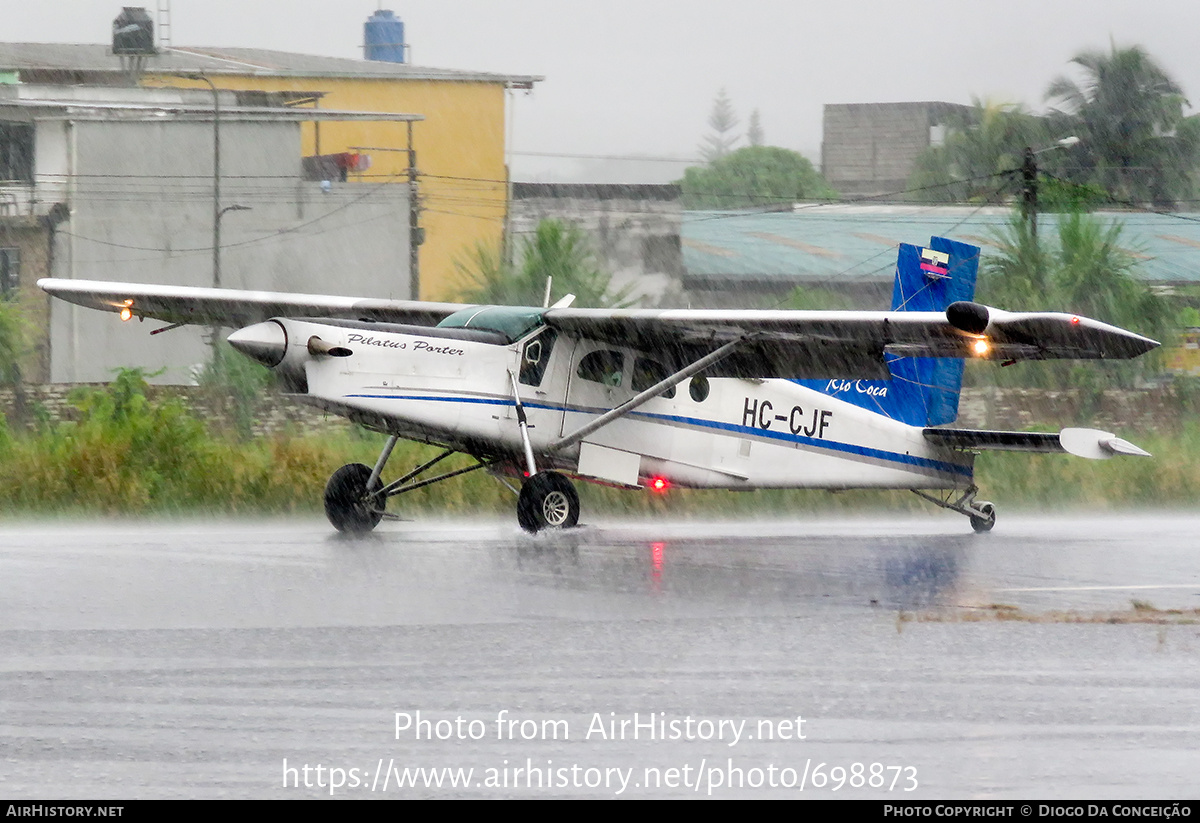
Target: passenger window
698	388
535	356
647	373
603	367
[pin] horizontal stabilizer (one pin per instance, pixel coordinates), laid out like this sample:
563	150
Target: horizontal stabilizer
1090	443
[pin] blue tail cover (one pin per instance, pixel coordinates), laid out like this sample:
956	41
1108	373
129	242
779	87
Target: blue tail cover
923	391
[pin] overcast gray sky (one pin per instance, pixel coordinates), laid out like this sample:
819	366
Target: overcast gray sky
628	77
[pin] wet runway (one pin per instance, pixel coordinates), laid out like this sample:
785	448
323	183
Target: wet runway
876	657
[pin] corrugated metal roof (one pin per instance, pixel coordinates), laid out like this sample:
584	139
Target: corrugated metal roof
831	244
82	110
36	59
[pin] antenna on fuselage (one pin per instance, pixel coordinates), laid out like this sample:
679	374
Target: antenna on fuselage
546	298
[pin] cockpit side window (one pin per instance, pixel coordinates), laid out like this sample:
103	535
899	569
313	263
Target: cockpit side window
604	366
647	372
535	356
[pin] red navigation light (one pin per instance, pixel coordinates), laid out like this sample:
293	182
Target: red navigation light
1075	321
660	484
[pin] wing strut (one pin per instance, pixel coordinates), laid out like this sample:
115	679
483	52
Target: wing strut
522	420
649	394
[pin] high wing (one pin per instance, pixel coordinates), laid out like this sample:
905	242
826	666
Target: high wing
235	307
786	344
850	344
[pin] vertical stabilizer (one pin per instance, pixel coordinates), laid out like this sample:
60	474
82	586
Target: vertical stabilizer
923	391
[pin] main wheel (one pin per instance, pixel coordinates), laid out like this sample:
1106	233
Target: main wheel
348	505
547	501
986	518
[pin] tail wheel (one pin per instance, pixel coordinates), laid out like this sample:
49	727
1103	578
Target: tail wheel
985	519
547	501
349	505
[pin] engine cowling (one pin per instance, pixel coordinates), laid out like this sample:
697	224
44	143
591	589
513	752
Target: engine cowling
284	347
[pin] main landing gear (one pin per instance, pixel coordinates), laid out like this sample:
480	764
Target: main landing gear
981	514
356	498
350	504
547	501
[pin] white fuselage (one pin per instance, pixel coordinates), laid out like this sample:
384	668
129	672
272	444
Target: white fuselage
744	434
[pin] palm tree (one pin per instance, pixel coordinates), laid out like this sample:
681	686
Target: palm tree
1129	113
1085	269
981	147
556	250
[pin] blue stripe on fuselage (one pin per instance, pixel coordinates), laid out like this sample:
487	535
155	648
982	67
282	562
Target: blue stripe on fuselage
702	423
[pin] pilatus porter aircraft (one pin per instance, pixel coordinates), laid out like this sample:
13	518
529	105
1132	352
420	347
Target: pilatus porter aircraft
651	398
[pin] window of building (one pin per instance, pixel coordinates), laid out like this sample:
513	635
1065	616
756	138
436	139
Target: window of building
647	372
10	272
603	366
937	135
16	152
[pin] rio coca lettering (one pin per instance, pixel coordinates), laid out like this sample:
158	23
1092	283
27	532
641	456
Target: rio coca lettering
860	386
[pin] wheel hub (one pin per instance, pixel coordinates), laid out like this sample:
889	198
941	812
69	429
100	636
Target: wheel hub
555	508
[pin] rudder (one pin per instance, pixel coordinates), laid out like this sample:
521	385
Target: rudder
923	391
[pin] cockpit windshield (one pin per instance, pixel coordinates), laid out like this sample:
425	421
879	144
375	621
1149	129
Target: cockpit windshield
514	322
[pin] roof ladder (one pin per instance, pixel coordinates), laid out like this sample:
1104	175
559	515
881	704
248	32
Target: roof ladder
164	24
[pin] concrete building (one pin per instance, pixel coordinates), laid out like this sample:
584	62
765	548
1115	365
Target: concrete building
870	149
460	146
117	184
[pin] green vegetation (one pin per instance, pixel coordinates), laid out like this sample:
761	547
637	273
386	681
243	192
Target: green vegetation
753	176
14	342
722	121
1136	142
556	249
129	454
1135	146
241	379
980	150
816	299
1084	269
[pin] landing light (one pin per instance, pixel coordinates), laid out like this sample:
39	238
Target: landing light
981	347
126	314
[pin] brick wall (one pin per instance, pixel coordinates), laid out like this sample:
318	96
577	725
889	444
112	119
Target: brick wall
274	413
1125	412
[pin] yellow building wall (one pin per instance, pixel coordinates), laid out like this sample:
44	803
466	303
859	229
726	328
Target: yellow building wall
460	155
1184	356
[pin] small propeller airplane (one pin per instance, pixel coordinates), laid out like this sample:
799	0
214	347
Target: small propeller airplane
730	399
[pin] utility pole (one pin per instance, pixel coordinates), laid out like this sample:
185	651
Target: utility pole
1029	190
217	211
416	234
216	208
1029	197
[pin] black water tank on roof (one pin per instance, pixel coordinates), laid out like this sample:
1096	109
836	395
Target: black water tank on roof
133	32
